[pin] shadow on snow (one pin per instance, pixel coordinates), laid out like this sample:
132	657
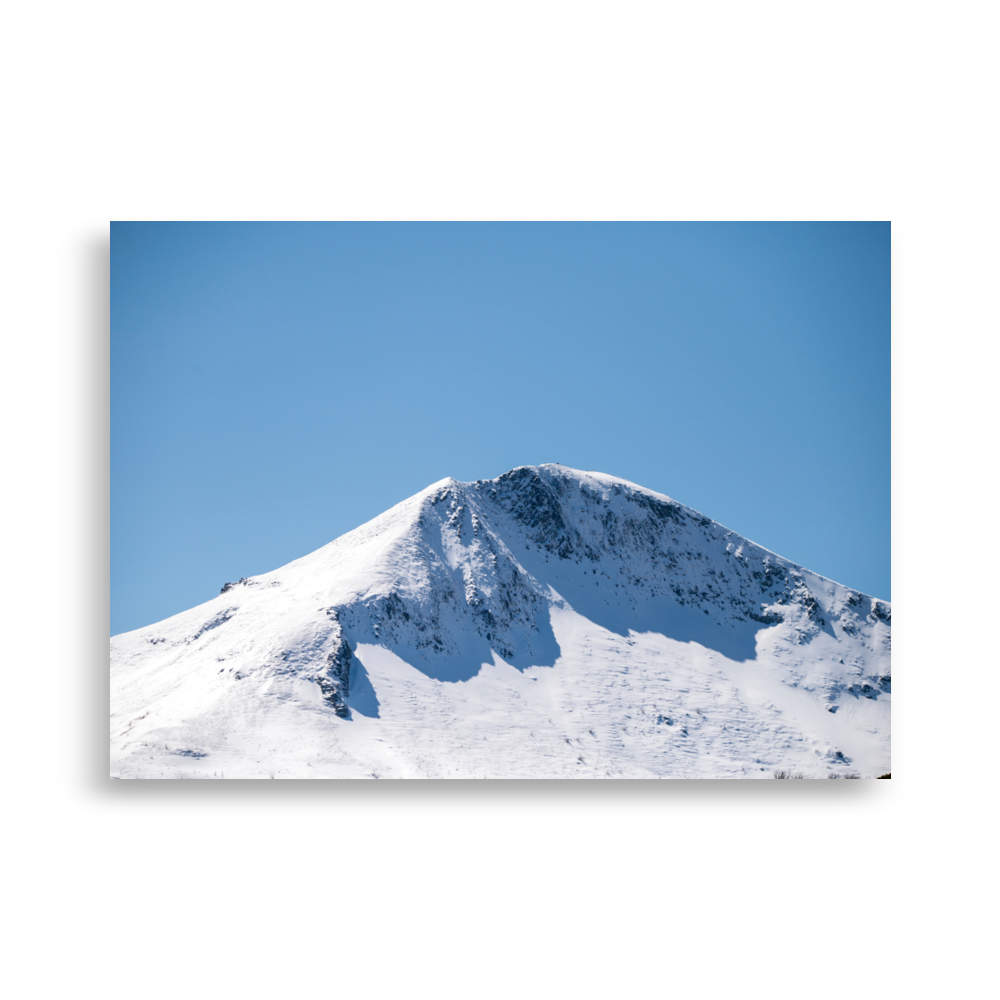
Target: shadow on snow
538	647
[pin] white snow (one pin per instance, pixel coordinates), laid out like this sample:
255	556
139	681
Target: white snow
548	623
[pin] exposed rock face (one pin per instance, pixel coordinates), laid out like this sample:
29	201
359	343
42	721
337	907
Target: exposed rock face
334	682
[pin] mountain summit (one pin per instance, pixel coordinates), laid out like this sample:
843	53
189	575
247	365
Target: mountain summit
546	623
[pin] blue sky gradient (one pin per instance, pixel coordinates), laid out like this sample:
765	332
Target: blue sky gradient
275	385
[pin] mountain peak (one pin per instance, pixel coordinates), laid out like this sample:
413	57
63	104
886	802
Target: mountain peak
467	577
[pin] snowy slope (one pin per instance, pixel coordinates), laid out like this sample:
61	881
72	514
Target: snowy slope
547	623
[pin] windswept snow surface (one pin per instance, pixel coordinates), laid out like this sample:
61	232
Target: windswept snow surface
547	623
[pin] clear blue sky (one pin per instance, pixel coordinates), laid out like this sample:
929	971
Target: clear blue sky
275	385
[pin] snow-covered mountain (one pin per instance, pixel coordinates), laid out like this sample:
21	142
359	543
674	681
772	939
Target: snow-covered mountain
546	623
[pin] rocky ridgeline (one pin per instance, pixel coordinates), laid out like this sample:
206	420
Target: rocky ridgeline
493	552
